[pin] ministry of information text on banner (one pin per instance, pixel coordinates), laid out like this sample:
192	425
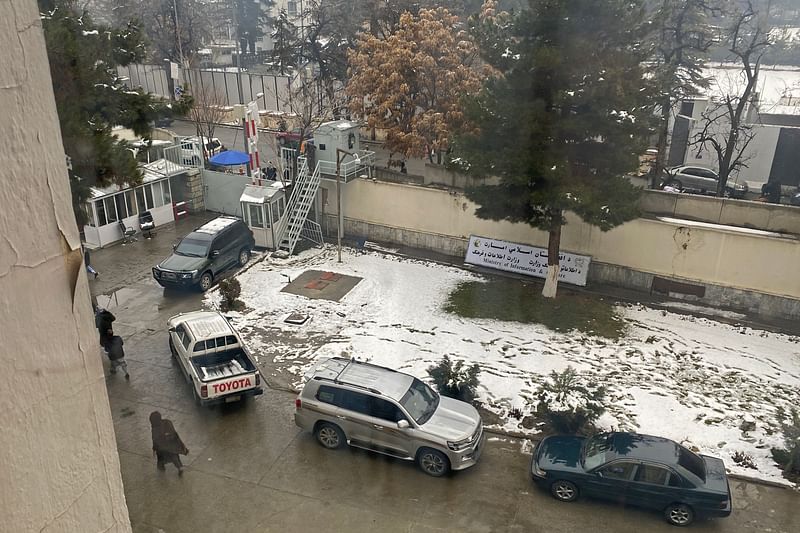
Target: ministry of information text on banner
524	259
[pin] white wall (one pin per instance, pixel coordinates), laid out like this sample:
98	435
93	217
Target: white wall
59	469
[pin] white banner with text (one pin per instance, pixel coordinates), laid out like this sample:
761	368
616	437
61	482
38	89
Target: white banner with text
525	259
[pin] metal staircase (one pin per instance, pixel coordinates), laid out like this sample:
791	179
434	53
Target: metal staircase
296	224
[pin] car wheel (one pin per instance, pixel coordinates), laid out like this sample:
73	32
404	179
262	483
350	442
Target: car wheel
433	463
172	348
564	490
330	436
244	256
205	281
727	192
679	514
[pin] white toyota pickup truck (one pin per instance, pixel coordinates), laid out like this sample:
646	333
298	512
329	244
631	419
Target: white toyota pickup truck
213	358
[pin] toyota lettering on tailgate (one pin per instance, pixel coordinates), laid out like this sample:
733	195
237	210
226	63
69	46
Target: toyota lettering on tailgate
229	386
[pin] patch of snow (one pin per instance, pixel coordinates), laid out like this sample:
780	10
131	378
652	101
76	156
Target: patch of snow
683	377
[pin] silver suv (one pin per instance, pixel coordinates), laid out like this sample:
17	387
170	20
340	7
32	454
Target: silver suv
380	409
704	180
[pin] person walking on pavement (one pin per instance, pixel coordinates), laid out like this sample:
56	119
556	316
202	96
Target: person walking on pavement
167	445
117	355
103	320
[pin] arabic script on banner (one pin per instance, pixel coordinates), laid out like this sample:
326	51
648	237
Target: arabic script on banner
524	259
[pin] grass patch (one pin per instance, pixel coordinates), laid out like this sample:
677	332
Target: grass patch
517	301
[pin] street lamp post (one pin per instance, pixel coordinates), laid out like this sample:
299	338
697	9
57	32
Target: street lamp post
339	230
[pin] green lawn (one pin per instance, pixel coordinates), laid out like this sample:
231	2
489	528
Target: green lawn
518	301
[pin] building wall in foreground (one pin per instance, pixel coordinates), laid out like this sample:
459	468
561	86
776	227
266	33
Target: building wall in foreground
59	466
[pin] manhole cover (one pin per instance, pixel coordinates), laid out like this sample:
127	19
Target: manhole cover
296	318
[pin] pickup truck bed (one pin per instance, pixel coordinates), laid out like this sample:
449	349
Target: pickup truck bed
226	376
222	365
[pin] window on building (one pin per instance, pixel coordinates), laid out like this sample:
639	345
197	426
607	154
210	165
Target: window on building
291	8
275	214
130	203
282	206
140	199
122	209
256	216
111	209
148	196
101	213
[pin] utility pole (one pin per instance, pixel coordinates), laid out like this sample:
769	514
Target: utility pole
178	33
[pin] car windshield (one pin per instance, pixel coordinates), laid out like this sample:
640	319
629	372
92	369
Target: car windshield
594	451
420	401
691	462
192	248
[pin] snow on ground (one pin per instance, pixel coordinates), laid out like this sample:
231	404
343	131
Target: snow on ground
689	379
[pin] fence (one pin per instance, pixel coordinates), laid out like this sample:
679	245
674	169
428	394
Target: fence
223	190
276	89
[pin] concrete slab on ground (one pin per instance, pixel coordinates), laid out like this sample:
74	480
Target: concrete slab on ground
316	284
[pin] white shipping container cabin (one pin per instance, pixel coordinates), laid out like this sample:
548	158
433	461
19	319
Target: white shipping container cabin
263	209
329	136
110	205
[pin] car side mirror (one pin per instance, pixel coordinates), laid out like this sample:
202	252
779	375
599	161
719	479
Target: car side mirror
215	253
171	330
402	424
174	246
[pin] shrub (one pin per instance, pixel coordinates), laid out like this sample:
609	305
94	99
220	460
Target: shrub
230	289
567	405
789	457
744	459
454	380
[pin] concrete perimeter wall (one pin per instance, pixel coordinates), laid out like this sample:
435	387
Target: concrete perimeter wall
740	269
744	213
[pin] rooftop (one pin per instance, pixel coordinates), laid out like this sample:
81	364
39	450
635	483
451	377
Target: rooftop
205	324
350	372
215	226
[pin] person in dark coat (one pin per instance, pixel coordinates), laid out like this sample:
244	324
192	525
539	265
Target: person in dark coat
117	355
103	320
167	445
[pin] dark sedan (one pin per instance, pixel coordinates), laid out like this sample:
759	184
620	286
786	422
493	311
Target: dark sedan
634	469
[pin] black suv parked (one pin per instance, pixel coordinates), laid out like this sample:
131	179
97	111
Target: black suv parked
206	252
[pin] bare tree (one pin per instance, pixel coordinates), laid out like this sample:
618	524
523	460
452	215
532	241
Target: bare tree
208	110
725	128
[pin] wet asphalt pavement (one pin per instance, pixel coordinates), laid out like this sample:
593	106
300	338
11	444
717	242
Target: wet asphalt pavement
251	469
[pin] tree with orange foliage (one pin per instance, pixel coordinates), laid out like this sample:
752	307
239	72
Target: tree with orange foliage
410	83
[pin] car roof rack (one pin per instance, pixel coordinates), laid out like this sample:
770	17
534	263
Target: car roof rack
339	382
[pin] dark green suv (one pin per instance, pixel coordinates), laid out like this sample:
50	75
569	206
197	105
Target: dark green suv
205	253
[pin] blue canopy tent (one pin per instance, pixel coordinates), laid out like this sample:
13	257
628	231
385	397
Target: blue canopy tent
230	158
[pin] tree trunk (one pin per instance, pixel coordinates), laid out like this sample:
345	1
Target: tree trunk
553	267
661	156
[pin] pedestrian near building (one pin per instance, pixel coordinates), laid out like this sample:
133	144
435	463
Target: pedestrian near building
117	355
88	261
272	172
167	445
103	320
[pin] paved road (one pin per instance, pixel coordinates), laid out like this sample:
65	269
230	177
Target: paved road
251	469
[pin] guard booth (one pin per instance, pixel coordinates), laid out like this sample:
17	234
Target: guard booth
332	135
263	209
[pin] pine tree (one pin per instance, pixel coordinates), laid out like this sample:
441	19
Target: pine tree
565	119
91	98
